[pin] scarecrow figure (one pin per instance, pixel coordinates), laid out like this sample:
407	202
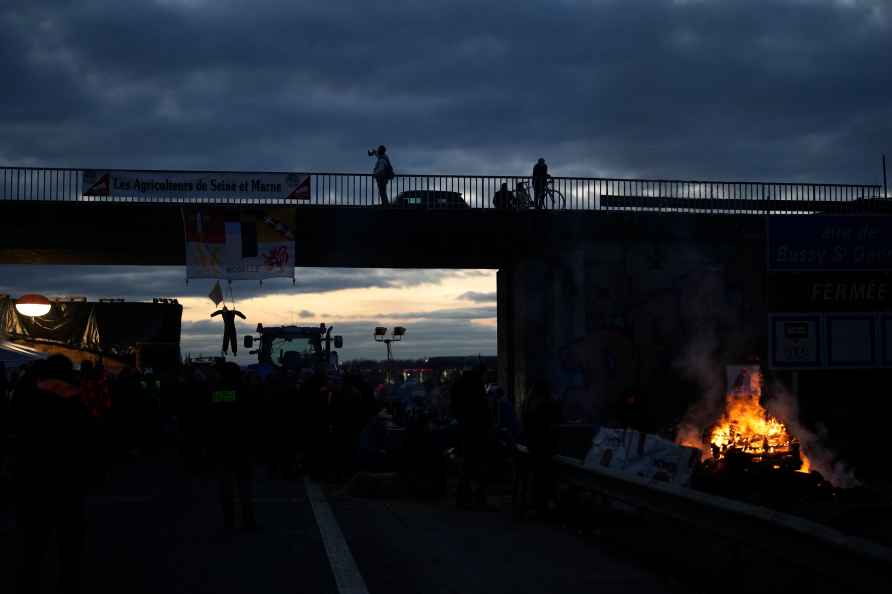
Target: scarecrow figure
229	326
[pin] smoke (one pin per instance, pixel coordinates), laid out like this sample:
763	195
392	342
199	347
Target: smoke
710	346
699	363
784	406
717	333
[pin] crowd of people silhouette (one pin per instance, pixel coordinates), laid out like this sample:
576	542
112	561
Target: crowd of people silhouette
73	427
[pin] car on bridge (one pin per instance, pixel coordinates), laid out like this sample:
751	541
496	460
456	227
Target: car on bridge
429	199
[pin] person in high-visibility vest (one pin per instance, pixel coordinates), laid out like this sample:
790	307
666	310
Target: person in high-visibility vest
231	424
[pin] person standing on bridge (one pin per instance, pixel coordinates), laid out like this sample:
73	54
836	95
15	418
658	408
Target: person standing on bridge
540	181
383	172
504	198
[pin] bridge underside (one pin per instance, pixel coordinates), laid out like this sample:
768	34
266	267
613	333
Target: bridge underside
42	232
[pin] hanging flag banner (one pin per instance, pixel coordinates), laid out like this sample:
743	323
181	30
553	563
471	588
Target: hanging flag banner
112	183
216	294
239	244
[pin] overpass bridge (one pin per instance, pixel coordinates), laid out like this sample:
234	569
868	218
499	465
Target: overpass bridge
54	216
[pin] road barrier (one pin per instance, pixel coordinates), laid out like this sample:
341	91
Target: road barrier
744	546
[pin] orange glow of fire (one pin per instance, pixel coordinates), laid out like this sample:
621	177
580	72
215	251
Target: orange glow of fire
747	427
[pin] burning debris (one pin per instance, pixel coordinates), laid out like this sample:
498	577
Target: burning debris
745	431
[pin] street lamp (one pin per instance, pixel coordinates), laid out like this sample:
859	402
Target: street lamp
396	336
33	305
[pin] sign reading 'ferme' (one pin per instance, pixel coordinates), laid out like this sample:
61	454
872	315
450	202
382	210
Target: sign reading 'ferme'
824	242
195	184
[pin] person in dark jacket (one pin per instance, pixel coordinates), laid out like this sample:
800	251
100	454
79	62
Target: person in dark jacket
540	181
355	406
541	418
383	172
316	397
470	408
51	474
231	429
504	198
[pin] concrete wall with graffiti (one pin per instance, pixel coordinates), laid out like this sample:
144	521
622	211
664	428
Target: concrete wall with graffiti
631	318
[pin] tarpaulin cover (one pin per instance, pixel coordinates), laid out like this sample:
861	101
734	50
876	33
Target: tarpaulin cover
110	328
642	454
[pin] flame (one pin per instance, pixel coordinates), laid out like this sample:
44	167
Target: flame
746	426
806	465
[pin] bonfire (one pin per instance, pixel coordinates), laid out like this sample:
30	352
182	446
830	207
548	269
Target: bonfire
745	427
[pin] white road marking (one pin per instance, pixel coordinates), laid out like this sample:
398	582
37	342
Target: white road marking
343	566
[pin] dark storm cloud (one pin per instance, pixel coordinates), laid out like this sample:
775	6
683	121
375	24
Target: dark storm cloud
478	297
785	89
776	89
146	282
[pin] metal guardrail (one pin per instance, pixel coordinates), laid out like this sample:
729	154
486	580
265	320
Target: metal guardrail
795	544
468	191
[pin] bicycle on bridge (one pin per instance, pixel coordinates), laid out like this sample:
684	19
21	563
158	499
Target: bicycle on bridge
523	199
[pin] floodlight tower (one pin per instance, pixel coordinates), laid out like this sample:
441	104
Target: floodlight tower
396	336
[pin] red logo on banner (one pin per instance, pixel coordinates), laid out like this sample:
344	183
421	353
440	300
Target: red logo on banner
100	188
301	190
276	257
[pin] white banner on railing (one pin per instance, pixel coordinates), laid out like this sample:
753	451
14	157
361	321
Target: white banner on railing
198	184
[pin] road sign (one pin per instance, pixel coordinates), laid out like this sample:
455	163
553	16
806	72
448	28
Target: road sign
795	341
830	242
851	341
829	291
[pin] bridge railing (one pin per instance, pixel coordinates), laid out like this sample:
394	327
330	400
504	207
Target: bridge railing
436	192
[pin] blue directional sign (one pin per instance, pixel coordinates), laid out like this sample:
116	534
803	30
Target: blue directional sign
851	341
886	340
830	242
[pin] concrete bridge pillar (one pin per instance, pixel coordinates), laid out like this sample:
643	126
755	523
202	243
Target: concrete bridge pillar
642	313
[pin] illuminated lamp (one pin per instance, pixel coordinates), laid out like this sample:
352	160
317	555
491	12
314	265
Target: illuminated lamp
33	305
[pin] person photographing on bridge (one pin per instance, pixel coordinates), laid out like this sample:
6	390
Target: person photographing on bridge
383	171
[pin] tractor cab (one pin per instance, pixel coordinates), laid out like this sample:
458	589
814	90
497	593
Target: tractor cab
296	347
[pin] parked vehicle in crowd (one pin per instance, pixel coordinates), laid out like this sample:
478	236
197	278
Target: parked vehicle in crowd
430	199
296	347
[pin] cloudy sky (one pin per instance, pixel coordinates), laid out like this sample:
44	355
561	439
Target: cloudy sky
781	90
